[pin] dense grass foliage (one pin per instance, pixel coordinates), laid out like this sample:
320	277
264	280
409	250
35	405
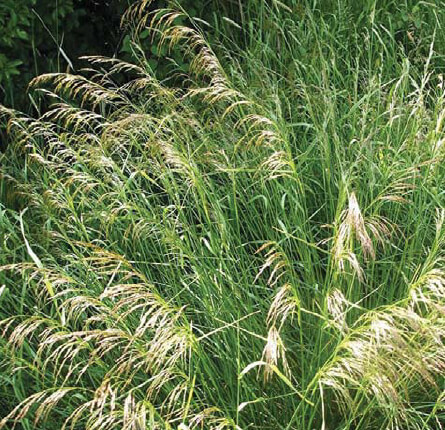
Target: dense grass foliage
256	242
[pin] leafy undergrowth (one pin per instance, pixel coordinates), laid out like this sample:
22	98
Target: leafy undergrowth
256	244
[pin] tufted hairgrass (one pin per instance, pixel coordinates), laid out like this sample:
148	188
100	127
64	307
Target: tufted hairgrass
257	243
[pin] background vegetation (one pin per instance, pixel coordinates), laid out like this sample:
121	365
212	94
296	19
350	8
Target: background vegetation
44	36
240	225
49	36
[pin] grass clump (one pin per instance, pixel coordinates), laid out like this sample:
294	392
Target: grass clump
256	243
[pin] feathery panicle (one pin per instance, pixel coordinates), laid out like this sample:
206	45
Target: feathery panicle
354	227
338	305
274	351
276	260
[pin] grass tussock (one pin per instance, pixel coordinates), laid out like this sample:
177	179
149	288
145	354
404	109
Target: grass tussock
256	242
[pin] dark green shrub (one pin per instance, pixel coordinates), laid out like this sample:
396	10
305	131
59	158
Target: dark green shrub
39	36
